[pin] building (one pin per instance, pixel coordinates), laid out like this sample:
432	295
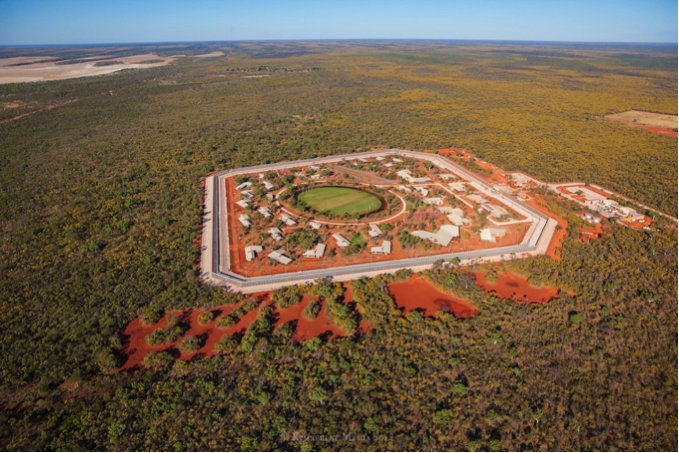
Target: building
275	233
405	174
520	179
341	241
384	249
244	219
398	161
251	251
245	185
313	167
478	199
494	210
436	201
441	237
243	203
286	219
316	252
374	231
490	234
404	189
457	186
446	176
422	190
265	212
445	209
457	217
388	165
268	185
379	158
316	176
314	225
279	256
247	193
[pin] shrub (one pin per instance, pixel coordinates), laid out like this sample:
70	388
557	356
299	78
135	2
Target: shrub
190	344
156	359
226	343
312	310
151	315
205	318
227	321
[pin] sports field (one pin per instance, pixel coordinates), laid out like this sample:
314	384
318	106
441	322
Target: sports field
340	200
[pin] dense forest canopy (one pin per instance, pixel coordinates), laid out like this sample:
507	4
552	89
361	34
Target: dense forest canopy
100	205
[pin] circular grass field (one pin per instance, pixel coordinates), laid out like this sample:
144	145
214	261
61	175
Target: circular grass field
340	200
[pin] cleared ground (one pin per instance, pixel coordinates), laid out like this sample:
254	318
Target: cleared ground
646	119
340	200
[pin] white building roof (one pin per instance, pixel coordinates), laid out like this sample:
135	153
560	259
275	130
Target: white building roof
279	255
478	199
244	219
243	203
251	251
457	217
489	234
441	237
247	193
275	233
286	219
457	186
244	185
374	231
383	249
342	242
388	165
435	201
316	252
446	176
398	161
404	189
264	211
268	185
314	225
423	190
445	209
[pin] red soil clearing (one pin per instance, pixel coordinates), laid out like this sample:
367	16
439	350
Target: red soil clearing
419	294
510	285
558	237
306	328
659	130
135	346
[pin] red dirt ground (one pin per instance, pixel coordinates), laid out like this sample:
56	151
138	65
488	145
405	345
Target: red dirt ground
305	328
510	285
660	130
418	293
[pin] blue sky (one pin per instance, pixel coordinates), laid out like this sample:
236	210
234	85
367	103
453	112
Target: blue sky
105	21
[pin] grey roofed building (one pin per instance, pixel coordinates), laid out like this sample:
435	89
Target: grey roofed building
251	251
286	219
279	256
342	242
489	234
457	217
405	174
495	211
316	252
441	237
374	231
265	212
384	249
268	185
244	219
457	186
275	233
478	199
244	185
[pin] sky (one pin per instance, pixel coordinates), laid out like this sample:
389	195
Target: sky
34	22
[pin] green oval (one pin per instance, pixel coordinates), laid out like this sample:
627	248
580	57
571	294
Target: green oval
340	200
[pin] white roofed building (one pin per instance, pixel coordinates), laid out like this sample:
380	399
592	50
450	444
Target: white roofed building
286	219
405	174
279	256
433	201
275	233
384	249
314	225
374	231
490	234
457	217
244	219
245	185
441	237
251	251
457	186
316	252
243	203
265	212
341	241
268	185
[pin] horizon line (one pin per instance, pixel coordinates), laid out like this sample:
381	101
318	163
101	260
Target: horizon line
652	43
